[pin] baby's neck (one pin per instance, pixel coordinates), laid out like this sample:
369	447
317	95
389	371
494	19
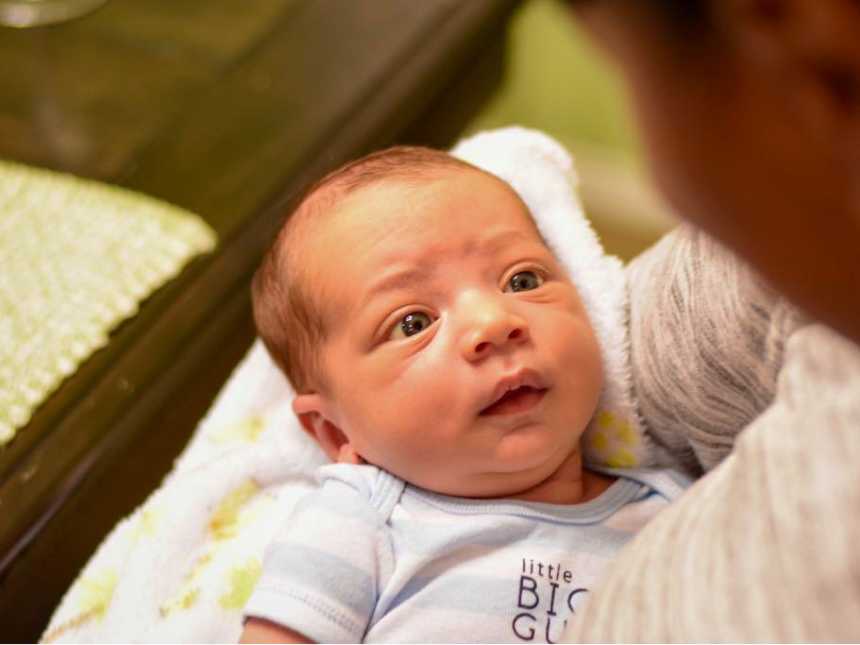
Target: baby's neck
571	483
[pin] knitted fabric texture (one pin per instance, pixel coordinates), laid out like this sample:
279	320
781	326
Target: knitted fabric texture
77	258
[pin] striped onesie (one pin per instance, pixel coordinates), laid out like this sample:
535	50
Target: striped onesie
370	558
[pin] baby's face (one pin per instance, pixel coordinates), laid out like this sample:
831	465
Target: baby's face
460	356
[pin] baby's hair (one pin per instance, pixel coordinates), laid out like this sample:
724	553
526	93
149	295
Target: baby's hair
290	318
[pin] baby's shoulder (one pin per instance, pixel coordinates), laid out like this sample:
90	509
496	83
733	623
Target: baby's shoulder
668	483
364	485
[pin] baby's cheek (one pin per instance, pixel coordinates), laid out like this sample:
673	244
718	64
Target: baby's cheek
430	373
561	332
574	349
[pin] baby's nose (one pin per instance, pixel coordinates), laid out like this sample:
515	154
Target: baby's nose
492	329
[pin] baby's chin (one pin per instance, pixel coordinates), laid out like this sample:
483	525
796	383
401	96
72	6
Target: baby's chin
506	477
532	448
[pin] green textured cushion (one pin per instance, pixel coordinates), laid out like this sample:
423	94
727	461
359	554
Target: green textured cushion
76	258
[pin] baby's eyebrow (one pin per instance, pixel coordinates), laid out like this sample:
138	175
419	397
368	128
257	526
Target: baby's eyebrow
396	281
420	276
498	242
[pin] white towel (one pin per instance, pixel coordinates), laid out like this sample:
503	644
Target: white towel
182	565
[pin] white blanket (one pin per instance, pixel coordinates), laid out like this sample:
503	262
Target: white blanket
181	567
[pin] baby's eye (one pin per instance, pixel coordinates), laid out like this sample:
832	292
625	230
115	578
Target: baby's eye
524	281
411	324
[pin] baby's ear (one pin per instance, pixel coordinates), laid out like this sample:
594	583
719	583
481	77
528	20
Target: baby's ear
309	408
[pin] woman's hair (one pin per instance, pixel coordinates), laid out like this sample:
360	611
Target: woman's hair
685	17
288	307
685	14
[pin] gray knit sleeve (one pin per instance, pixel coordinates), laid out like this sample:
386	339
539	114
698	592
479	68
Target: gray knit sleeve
763	548
729	377
707	338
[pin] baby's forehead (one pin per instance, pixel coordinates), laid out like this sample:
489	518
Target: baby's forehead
402	225
344	253
371	220
398	194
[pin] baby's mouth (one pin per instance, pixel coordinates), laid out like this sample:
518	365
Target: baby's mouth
517	400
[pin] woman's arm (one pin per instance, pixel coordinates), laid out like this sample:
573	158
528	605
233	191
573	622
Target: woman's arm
763	547
707	342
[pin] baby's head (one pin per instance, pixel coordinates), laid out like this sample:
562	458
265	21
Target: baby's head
427	328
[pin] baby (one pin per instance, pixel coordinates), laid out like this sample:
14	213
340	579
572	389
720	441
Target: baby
444	359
